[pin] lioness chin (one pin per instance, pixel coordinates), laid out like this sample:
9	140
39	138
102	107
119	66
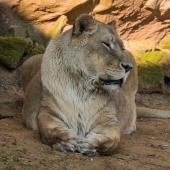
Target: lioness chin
82	97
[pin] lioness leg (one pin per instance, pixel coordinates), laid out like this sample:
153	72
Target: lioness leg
126	109
131	111
32	102
31	81
103	138
55	132
29	69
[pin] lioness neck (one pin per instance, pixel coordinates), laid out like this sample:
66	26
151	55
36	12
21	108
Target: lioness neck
68	87
61	70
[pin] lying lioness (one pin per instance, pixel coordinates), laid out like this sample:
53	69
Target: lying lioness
81	95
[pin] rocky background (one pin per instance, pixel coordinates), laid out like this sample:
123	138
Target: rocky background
27	25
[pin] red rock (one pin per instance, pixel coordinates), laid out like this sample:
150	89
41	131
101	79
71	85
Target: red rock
137	19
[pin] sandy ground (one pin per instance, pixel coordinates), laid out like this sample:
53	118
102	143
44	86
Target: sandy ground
21	149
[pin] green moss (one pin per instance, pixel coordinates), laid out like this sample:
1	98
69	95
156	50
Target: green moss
151	77
37	49
151	73
165	65
33	49
139	47
165	42
11	50
153	57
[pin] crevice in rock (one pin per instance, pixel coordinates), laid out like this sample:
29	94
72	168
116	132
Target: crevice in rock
6	117
167	80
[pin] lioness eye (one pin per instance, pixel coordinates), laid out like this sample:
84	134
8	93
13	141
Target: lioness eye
107	45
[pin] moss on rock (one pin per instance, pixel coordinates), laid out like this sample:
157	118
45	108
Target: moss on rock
165	65
151	77
11	50
37	49
139	47
165	42
34	48
153	57
151	72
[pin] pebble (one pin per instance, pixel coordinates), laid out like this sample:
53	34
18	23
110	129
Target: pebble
163	146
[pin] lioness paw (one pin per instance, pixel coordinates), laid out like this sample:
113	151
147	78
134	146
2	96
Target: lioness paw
129	130
94	144
63	146
86	148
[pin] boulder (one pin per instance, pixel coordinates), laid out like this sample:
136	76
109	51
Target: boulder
165	64
11	50
154	72
14	50
139	47
165	42
151	78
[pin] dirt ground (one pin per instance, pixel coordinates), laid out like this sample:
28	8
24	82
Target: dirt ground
21	149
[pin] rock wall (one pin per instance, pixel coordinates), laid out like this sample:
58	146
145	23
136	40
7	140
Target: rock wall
137	19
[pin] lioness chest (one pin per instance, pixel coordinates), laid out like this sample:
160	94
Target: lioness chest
78	112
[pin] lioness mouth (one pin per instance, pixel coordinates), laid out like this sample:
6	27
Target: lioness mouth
112	82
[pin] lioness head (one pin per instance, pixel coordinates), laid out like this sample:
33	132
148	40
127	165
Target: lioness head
100	52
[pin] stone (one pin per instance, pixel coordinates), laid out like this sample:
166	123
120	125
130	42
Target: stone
14	49
165	42
165	64
139	47
135	21
151	71
58	26
11	51
151	78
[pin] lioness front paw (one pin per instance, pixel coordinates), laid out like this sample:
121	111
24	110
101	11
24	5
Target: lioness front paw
85	147
103	144
129	130
66	146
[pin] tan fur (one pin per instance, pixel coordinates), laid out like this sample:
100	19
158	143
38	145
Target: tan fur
153	113
67	101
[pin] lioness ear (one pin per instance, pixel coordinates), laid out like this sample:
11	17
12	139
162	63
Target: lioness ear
112	24
84	24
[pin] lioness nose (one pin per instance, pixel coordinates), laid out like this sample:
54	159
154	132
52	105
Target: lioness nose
127	67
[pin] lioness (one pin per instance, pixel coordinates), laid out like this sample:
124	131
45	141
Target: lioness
82	97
